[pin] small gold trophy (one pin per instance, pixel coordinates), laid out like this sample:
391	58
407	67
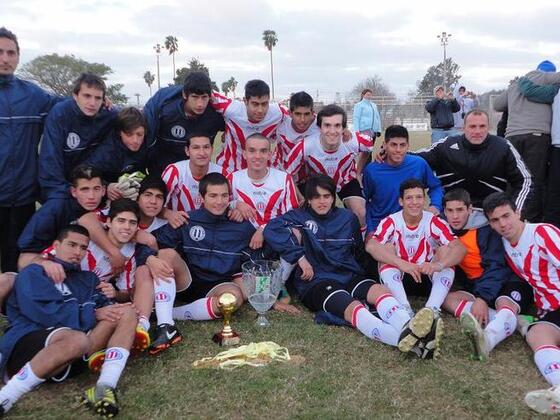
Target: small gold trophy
226	337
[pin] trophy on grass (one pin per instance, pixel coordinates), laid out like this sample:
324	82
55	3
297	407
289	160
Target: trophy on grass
226	337
262	282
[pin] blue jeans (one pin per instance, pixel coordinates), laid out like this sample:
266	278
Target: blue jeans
438	134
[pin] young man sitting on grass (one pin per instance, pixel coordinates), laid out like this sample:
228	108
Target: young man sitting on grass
326	244
52	325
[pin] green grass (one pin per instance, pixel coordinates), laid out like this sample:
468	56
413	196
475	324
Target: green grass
344	375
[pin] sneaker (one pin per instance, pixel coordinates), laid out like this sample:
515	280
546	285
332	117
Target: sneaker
523	323
141	340
418	327
544	401
95	361
166	336
102	400
431	344
475	333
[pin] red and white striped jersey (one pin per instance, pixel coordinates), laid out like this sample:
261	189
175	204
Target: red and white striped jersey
182	186
238	128
287	138
97	261
536	259
340	164
156	224
273	197
417	244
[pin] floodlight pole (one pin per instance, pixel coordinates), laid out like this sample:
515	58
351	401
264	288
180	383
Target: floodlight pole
444	39
157	47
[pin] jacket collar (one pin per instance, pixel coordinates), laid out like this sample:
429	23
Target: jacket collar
6	80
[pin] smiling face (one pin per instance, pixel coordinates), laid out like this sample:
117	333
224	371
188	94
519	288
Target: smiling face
150	202
412	202
122	227
396	149
199	151
257	153
331	131
216	199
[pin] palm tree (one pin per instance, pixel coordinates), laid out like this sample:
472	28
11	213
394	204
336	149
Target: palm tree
270	39
149	78
171	45
233	85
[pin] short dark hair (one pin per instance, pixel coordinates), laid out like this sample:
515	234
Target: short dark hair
329	111
409	184
84	171
129	119
121	205
257	136
256	88
458	194
366	90
196	133
496	200
5	33
396	131
153	182
90	80
198	83
316	181
476	111
301	99
63	234
213	178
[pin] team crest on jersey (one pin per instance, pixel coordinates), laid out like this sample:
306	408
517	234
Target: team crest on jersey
411	250
197	233
178	132
113	354
73	140
260	206
162	297
515	295
552	367
312	226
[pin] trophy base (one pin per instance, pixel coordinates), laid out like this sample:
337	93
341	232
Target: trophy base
229	340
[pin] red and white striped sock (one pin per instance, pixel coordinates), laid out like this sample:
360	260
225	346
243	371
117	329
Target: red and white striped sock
199	310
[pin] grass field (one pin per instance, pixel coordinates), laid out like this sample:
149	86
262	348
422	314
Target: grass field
344	376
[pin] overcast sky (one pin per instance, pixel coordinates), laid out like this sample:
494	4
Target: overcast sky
324	46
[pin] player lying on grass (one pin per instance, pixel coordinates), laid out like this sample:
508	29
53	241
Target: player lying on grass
326	244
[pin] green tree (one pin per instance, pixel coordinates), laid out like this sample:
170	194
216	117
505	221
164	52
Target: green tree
229	86
149	78
193	65
434	77
172	45
376	84
58	73
270	40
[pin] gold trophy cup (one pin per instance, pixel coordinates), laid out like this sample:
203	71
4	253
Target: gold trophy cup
226	337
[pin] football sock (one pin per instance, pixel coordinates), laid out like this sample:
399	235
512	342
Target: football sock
547	359
372	327
199	310
441	283
392	278
164	296
115	361
21	383
501	327
391	311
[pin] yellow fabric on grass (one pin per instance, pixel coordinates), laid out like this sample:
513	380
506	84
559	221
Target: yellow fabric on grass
253	354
